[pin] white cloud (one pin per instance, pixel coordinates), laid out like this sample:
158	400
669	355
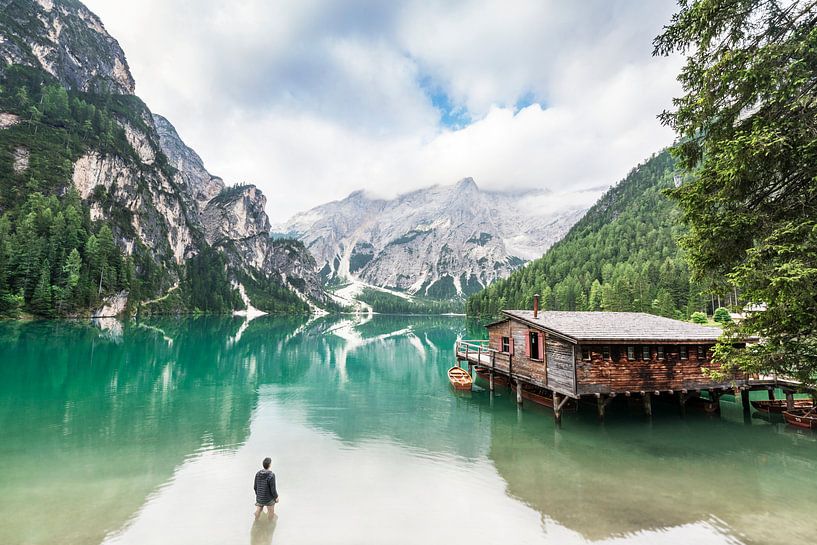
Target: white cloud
312	99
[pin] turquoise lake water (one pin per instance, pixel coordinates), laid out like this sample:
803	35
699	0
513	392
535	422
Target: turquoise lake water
150	433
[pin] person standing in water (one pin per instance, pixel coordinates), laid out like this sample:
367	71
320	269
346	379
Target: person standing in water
266	495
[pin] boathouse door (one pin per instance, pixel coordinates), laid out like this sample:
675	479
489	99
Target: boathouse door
535	349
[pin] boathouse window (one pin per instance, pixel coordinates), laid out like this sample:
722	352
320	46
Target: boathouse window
631	353
683	351
660	353
506	344
585	353
701	352
645	353
605	352
535	353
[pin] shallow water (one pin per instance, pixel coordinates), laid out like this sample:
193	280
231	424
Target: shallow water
151	433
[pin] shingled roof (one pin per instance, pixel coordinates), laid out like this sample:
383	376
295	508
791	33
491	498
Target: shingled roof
584	327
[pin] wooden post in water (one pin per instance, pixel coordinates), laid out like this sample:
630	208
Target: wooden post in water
744	399
491	374
557	409
518	392
601	401
647	399
789	400
682	399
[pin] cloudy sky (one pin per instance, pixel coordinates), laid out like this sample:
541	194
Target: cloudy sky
313	99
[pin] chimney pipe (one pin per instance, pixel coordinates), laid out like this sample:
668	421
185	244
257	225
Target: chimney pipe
536	306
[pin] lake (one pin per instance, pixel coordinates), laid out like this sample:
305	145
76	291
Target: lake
151	432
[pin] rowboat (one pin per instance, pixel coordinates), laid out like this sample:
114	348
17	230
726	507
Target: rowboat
801	418
540	399
779	405
459	378
707	405
485	374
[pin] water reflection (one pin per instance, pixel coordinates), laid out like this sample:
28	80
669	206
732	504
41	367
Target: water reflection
154	431
620	480
263	530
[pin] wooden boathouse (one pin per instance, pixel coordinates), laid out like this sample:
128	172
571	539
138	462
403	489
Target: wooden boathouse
575	355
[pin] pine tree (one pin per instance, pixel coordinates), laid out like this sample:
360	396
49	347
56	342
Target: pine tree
41	300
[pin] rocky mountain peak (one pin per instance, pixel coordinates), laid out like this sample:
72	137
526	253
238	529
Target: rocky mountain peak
236	213
190	167
68	41
441	241
466	184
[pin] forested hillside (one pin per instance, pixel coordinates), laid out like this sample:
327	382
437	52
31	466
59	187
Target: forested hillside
103	208
621	256
52	258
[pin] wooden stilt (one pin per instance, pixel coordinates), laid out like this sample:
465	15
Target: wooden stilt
682	400
647	399
518	392
601	402
493	365
744	399
557	409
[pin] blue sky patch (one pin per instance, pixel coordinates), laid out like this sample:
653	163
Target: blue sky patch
452	115
526	100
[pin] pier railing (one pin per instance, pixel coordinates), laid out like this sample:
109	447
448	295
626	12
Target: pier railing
476	352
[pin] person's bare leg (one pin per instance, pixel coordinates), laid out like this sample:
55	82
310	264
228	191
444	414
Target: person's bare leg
258	510
271	511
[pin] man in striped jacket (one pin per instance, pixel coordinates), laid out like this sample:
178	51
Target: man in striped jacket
266	495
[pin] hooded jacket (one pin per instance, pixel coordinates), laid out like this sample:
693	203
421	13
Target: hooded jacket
264	486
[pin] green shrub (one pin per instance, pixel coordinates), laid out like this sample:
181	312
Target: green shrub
699	318
722	315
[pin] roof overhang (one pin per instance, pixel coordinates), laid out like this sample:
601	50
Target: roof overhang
623	340
497	322
540	327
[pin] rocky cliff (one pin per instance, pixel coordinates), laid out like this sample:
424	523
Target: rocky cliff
129	167
440	242
68	41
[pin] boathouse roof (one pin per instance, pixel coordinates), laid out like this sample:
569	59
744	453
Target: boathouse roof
584	327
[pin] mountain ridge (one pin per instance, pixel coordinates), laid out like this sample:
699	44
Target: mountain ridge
441	241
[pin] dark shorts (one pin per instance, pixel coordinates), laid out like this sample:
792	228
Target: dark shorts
269	503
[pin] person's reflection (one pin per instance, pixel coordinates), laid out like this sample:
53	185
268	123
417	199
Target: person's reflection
262	530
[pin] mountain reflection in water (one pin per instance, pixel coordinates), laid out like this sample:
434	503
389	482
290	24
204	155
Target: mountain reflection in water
151	432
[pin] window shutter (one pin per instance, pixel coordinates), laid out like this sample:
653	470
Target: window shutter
541	346
527	341
511	347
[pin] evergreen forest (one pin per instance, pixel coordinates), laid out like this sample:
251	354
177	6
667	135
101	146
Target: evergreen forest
622	256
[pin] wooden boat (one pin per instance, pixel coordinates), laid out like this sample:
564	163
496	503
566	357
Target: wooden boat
801	418
485	374
460	379
706	405
540	399
779	405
